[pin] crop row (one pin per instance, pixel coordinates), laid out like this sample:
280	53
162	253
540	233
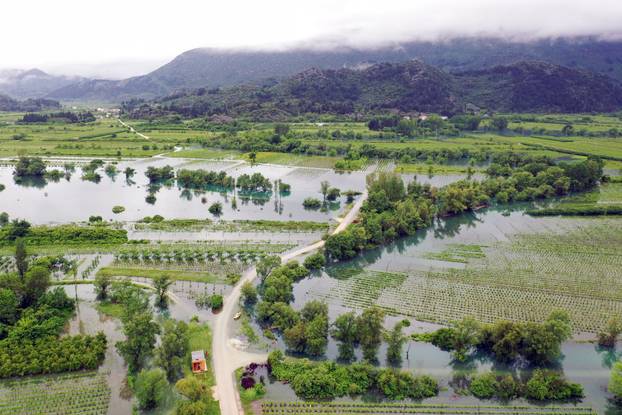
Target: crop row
86	393
412	408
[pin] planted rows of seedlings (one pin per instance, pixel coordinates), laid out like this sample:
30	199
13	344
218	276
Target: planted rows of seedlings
276	408
76	393
577	270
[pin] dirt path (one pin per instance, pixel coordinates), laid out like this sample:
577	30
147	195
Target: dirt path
227	358
133	130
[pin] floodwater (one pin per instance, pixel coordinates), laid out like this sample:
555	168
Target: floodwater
73	200
582	362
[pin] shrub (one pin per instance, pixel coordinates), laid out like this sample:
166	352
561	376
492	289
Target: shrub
484	386
312	203
215	209
150	388
615	381
216	301
118	209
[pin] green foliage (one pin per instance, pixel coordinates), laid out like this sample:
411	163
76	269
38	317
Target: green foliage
315	261
484	386
65	235
102	284
312	203
345	331
174	346
249	293
215	209
327	380
615	381
395	339
161	284
549	385
51	355
150	388
609	337
118	209
370	324
203	179
159	174
29	167
253	183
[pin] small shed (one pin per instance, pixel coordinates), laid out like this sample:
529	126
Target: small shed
198	361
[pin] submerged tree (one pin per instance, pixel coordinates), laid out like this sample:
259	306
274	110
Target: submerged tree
369	325
395	339
345	331
161	283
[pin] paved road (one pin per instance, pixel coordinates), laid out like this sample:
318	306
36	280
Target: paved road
226	357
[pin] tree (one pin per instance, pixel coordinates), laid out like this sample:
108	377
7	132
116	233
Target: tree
369	325
36	282
281	129
252	156
609	337
174	346
395	340
4	219
249	293
9	304
21	261
267	264
324	188
129	173
161	283
345	331
315	261
465	336
102	284
140	332
567	129
215	209
499	123
615	381
150	388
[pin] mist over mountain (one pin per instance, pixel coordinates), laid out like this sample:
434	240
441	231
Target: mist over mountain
32	83
28	105
411	86
217	68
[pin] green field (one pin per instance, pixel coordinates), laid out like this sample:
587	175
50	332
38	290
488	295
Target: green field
75	393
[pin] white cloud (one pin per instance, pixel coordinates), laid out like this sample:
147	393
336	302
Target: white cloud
80	36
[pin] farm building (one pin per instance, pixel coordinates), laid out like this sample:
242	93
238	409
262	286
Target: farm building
198	361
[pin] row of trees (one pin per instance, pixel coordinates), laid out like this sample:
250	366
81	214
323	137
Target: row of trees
393	211
507	342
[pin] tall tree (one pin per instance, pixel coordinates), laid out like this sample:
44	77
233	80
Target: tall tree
345	331
370	324
395	340
174	346
140	337
161	283
21	257
324	187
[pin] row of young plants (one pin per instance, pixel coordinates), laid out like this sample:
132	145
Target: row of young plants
73	393
306	407
158	223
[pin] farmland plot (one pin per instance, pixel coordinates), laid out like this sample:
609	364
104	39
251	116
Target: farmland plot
75	393
576	267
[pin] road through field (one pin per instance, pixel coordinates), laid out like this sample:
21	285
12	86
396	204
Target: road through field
226	357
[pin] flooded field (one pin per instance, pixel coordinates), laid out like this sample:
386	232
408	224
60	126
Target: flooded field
75	199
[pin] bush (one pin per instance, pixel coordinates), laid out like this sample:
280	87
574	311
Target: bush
118	209
215	209
615	381
249	293
150	388
484	386
312	203
315	261
216	301
549	385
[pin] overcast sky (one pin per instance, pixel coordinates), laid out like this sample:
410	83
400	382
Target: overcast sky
118	38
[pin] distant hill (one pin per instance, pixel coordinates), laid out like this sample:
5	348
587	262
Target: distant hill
32	83
404	87
217	68
29	105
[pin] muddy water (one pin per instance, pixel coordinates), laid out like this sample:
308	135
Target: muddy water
75	200
90	321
